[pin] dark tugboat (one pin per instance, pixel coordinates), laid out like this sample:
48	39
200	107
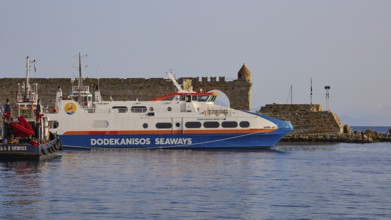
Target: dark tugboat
25	133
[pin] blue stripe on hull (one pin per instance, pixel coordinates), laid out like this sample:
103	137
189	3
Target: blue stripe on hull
178	141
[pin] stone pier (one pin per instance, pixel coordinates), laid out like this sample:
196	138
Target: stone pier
305	118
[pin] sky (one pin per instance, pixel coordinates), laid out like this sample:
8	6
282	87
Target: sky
344	44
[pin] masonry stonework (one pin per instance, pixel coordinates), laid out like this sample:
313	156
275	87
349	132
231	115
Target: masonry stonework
305	118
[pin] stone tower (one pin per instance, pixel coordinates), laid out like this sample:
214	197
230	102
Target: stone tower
244	73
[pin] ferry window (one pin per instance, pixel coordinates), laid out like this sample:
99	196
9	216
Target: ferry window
203	98
100	124
244	124
211	124
151	109
53	124
169	109
145	125
194	98
188	98
182	98
138	109
26	113
163	125
121	109
193	124
229	124
177	124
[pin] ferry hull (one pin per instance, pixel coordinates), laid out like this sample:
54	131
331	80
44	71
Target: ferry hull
175	141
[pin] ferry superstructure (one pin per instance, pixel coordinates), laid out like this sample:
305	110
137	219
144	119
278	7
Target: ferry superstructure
183	120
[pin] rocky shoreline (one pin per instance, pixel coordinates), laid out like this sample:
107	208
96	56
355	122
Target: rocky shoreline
348	136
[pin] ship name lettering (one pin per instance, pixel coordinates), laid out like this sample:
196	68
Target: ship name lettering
19	148
120	141
173	141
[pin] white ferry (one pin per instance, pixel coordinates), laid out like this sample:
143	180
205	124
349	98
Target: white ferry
182	120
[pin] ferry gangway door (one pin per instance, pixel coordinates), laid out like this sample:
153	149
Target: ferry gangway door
177	124
188	103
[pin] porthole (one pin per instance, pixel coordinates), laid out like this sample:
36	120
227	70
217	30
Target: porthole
229	124
177	124
138	109
211	124
151	109
121	109
100	124
244	124
169	109
53	124
145	125
163	125
193	124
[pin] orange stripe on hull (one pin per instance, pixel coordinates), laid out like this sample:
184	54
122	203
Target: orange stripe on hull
169	132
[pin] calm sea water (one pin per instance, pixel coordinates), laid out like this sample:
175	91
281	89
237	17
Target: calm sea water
341	181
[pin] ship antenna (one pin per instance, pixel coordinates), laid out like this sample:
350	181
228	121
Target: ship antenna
27	86
80	83
27	75
80	72
174	81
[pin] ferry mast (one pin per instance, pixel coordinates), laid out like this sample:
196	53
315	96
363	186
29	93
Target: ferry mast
27	83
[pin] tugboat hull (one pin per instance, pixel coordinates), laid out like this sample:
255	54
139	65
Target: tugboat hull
28	151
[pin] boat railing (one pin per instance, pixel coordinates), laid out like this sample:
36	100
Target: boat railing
83	88
217	112
27	93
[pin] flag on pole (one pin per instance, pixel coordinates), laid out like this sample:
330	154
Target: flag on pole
311	92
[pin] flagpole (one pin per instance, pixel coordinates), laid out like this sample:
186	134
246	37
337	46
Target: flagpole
311	94
291	94
27	76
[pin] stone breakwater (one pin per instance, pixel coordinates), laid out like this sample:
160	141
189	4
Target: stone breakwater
312	124
368	136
